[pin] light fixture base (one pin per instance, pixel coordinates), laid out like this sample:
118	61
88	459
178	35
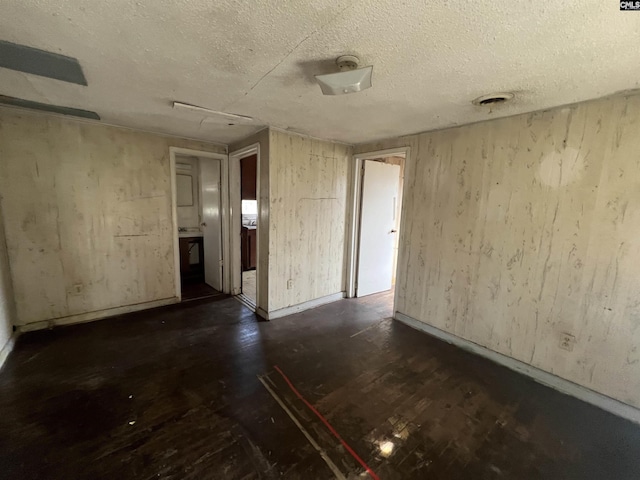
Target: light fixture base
349	78
347	62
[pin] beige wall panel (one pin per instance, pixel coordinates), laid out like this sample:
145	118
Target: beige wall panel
7	307
519	230
87	214
308	202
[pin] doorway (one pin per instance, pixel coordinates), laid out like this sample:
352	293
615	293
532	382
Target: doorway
376	218
249	237
244	194
198	201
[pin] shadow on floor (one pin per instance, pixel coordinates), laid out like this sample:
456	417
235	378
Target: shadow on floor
194	291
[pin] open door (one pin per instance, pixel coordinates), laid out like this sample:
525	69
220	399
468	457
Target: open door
211	221
378	225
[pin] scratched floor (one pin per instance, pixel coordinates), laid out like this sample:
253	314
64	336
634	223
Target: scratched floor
174	393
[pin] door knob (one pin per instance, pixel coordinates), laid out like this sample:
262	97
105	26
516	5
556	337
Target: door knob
393	231
203	224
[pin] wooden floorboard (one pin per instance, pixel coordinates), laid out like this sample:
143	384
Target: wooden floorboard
174	393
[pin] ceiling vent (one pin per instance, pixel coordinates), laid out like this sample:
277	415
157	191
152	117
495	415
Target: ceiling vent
493	99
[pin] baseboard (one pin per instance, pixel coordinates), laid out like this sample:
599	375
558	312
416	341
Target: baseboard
6	349
262	313
283	312
548	379
91	316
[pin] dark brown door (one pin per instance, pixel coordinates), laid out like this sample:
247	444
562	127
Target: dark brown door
248	171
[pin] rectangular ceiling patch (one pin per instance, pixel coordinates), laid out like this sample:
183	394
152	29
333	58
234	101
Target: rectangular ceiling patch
40	62
75	112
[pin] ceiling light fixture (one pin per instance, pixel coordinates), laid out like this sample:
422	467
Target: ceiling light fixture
493	99
349	79
233	117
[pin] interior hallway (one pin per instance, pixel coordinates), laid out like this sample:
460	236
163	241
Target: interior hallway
174	393
249	287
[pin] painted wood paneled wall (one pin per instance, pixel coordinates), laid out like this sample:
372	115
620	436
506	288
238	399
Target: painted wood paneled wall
87	214
7	307
308	205
519	231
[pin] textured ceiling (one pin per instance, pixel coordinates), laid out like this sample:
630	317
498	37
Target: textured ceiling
258	58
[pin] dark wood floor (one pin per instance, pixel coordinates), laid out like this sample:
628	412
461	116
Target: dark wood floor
174	393
196	290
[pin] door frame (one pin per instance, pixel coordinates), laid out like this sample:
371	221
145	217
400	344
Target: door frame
355	198
235	205
224	206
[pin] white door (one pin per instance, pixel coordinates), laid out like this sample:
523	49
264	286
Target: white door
211	221
380	186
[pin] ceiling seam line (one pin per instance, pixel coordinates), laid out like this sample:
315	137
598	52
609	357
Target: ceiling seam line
318	30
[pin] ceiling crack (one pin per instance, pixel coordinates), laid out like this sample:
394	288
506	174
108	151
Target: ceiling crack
316	31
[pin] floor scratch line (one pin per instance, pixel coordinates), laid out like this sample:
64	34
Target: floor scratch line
328	425
313	443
